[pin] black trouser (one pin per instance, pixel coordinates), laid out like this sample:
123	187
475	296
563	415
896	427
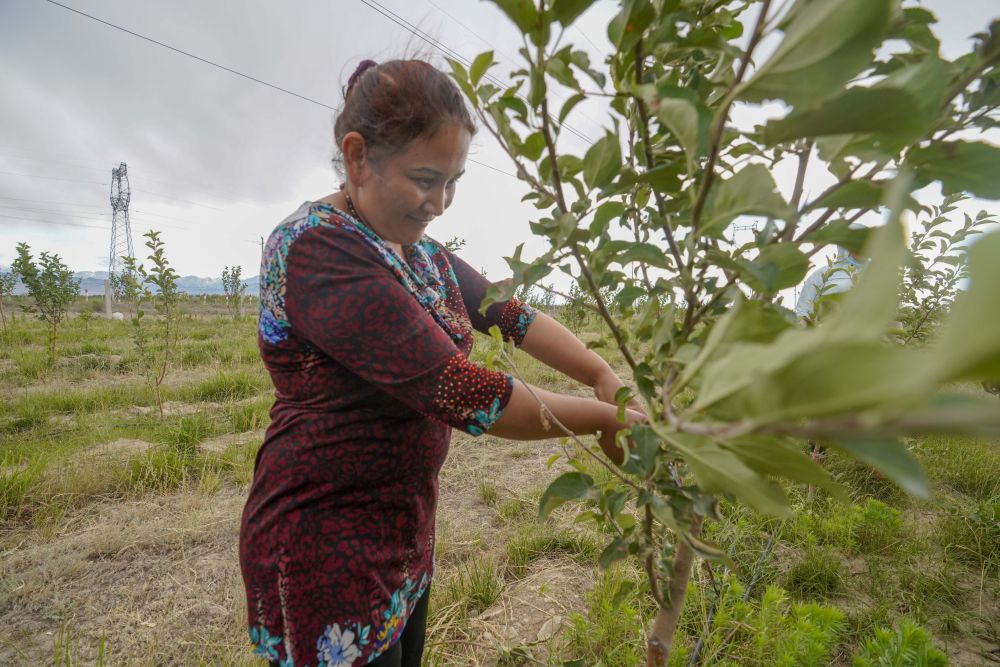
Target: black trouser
410	647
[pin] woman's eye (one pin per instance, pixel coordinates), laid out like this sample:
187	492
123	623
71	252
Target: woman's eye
426	184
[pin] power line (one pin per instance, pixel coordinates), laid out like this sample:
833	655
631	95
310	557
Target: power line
53	178
191	55
417	32
230	70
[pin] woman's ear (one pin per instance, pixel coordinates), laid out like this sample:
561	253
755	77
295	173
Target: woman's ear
356	162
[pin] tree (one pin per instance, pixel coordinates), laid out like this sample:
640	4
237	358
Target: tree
732	386
50	285
154	343
937	265
234	288
7	282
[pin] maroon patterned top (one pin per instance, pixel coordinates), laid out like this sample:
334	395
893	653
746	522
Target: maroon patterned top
369	359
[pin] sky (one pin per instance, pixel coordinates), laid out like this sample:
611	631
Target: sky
216	161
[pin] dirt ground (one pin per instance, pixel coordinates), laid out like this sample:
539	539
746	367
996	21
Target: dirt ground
158	578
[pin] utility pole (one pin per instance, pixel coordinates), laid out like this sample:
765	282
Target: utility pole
121	230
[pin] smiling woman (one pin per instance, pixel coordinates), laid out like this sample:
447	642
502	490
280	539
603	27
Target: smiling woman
366	328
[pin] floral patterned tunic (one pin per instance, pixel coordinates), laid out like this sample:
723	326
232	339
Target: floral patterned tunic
369	359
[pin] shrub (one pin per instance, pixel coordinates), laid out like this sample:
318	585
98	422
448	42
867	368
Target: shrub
907	646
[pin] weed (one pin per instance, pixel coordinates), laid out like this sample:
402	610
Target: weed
520	451
908	645
774	631
818	575
185	435
250	416
513	509
611	633
535	540
488	492
876	526
32	364
232	386
477	582
965	465
973	537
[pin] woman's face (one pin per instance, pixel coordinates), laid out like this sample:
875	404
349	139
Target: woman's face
399	195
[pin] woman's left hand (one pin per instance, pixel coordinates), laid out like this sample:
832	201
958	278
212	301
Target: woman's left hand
607	385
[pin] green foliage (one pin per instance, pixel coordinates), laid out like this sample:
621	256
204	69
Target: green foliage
7	283
771	631
235	289
907	646
818	575
973	535
51	286
154	343
937	266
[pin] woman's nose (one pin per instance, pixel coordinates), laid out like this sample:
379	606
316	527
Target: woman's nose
437	201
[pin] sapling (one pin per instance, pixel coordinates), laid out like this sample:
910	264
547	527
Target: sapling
155	342
52	289
234	288
731	383
7	282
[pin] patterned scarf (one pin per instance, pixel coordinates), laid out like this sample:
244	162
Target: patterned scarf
420	274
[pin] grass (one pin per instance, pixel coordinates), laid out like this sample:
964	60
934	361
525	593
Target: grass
531	541
876	560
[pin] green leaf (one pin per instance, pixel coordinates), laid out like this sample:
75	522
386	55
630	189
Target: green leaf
566	487
751	191
961	166
839	232
627	27
533	146
890	458
784	458
615	551
683	120
885	110
567	11
479	66
604	214
720	471
645	253
855	194
568	106
778	266
523	13
641	459
969	344
825	44
602	161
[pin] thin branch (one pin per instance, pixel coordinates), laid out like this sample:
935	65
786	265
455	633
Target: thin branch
719	123
572	436
800	178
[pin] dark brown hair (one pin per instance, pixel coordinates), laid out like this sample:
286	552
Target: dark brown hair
393	103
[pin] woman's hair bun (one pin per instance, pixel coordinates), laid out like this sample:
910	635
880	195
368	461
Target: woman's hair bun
363	67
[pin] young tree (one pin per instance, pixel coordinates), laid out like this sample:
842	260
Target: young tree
50	285
136	285
7	282
732	386
234	288
937	265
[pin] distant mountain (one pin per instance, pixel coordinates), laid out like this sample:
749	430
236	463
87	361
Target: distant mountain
93	283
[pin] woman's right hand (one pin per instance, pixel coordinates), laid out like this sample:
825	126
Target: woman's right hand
606	438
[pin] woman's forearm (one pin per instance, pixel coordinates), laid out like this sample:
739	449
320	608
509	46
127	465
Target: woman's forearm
555	346
522	419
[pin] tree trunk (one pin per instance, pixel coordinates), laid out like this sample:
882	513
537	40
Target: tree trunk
661	638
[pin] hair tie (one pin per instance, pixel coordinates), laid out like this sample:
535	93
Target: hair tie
363	67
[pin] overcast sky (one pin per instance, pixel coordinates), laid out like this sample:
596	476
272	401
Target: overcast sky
216	161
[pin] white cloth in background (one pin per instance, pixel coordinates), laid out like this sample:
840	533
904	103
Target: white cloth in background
836	278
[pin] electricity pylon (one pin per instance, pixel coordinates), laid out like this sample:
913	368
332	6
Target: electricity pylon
121	231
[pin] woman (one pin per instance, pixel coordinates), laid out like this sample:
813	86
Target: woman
366	325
